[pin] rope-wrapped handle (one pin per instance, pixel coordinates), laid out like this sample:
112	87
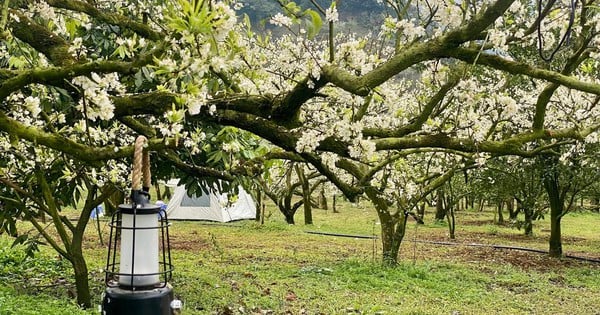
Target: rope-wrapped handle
141	165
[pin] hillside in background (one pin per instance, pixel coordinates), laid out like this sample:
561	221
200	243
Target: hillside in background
355	15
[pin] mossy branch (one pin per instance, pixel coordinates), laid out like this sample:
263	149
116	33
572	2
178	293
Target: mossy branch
70	147
53	209
515	67
198	171
418	121
511	146
107	17
544	98
54	47
287	110
362	85
158	102
57	75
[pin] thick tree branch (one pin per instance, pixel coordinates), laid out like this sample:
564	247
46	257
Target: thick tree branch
544	98
288	110
68	146
53	209
415	54
511	146
515	67
158	102
198	171
54	47
418	121
137	126
348	190
57	75
106	17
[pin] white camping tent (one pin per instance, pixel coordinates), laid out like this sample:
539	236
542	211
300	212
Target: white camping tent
210	207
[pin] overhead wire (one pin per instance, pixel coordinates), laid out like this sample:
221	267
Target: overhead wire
564	39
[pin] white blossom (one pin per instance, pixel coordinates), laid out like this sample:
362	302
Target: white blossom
281	20
331	14
32	104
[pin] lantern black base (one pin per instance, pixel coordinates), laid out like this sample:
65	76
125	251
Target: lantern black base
118	301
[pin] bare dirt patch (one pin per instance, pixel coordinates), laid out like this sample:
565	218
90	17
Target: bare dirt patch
469	252
188	243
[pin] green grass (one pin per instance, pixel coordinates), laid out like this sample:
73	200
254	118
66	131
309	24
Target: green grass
13	302
246	268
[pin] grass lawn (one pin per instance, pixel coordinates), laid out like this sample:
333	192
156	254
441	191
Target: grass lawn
247	268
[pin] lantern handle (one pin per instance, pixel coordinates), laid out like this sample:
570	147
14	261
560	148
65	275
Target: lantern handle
141	165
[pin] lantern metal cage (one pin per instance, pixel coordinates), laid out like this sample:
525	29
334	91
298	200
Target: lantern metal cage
113	274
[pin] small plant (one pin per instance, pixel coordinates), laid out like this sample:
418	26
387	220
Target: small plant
215	245
492	230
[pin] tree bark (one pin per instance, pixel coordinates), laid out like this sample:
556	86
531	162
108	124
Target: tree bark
289	218
512	213
259	203
421	213
596	204
322	198
528	225
84	298
333	205
305	185
440	212
555	241
499	210
392	230
451	223
159	195
550	177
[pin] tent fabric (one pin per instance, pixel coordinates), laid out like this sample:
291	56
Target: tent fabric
210	207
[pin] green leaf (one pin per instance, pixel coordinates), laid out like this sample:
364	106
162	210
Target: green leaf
314	23
293	8
72	25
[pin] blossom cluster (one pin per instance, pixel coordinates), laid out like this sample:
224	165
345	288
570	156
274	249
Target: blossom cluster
96	103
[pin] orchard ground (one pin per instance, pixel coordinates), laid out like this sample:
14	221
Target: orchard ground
248	268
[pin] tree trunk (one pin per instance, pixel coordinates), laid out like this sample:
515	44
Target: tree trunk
305	185
322	198
333	205
528	221
550	178
596	204
84	298
555	237
390	253
421	213
259	203
451	222
159	195
440	212
512	213
167	193
289	218
500	215
392	232
308	220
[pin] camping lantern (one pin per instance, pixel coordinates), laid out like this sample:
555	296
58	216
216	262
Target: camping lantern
140	231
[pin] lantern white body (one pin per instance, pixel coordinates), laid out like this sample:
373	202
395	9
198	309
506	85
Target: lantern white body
145	258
